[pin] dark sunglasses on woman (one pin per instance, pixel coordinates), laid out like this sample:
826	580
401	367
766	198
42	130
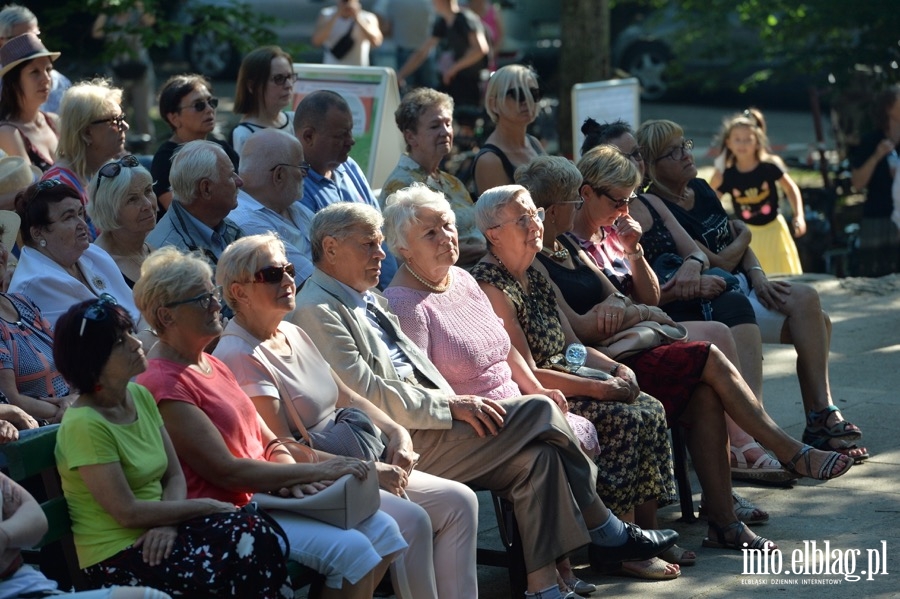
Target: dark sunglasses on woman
273	274
519	95
200	105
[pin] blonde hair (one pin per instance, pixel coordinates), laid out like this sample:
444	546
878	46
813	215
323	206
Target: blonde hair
401	209
511	76
606	167
654	137
240	261
82	104
167	275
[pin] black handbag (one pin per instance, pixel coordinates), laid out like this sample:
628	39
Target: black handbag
343	45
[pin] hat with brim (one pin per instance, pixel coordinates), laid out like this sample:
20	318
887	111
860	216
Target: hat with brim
15	174
10	222
22	48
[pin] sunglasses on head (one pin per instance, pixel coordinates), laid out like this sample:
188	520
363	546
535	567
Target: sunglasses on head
273	274
111	170
98	311
200	105
519	95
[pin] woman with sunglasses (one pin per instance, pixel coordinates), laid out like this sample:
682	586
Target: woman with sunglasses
511	100
25	130
264	88
124	206
275	362
221	440
694	294
127	497
187	105
93	128
425	118
59	266
787	312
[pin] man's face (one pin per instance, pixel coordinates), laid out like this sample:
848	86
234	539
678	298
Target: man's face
355	260
223	189
22	29
333	139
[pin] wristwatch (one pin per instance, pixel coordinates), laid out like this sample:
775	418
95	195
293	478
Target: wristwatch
694	257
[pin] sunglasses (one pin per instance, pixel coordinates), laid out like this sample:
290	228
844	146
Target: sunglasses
519	95
303	166
203	300
273	274
282	79
200	105
116	121
98	311
111	170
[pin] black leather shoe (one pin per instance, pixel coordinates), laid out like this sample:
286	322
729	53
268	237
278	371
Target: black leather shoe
641	545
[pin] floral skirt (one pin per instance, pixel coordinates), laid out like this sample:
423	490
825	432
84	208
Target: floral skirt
221	555
635	462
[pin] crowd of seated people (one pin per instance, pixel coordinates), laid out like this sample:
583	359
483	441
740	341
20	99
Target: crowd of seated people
164	318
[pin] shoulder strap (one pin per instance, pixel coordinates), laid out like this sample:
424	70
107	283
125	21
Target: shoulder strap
508	167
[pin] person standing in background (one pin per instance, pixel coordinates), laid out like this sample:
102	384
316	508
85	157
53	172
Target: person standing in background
406	22
16	20
347	33
492	19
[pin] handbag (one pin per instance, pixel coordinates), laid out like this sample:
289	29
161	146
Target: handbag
352	434
344	44
346	503
641	337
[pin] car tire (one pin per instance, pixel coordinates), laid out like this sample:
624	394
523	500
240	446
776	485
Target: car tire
210	55
648	61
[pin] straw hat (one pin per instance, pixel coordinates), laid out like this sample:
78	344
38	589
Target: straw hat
15	174
10	222
21	48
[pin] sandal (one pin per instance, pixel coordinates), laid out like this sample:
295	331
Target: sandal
743	509
817	427
764	469
655	569
676	555
826	470
723	543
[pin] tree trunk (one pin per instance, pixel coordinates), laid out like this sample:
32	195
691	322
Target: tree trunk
584	56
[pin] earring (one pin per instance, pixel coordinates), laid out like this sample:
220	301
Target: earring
43	243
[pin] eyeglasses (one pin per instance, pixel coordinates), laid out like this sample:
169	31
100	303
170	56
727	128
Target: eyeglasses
524	221
636	154
303	166
518	94
273	274
282	79
98	311
680	151
200	105
203	300
117	121
578	203
619	204
111	170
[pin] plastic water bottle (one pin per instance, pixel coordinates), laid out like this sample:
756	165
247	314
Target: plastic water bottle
575	356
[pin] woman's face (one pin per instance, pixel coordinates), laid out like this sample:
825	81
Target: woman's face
565	211
67	234
514	105
264	296
521	228
35	79
127	357
432	243
277	96
628	145
433	138
602	206
137	214
675	166
196	315
191	123
106	132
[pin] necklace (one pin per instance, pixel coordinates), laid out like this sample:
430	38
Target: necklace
560	255
432	286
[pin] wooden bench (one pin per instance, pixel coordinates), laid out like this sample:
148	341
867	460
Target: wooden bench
31	463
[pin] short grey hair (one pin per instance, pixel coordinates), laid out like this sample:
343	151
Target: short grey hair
168	275
12	16
338	221
108	199
492	202
241	260
416	103
549	179
195	160
401	210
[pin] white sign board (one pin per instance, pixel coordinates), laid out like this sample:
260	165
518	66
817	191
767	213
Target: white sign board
604	101
373	96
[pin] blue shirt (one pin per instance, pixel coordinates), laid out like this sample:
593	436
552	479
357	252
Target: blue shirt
179	228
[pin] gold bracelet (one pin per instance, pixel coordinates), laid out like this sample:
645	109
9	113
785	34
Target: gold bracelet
637	254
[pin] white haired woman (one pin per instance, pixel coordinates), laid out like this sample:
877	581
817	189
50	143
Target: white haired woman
220	439
275	362
123	206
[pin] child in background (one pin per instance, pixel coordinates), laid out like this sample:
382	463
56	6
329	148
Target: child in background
751	175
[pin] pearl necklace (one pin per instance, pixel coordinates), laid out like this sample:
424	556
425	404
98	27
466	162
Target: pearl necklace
560	255
432	286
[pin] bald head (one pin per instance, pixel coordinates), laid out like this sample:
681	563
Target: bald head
270	168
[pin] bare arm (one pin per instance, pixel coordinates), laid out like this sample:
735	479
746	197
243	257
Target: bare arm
24	523
417	58
50	408
859	177
795	199
478	49
369	28
489	172
11	142
323	29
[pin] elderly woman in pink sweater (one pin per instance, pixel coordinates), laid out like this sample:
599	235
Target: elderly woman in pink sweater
436	302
